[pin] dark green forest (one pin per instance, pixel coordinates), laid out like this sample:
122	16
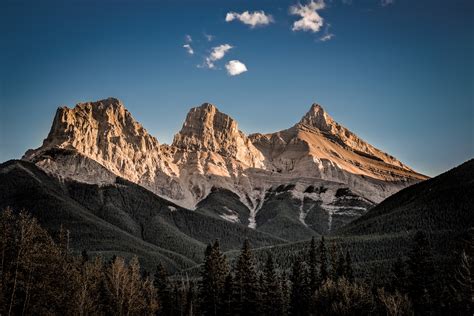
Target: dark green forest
42	275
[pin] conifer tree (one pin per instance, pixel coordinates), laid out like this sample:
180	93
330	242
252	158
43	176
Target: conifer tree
228	296
285	293
340	267
161	283
271	291
462	287
299	297
313	267
323	261
349	272
246	283
190	299
422	274
399	276
215	269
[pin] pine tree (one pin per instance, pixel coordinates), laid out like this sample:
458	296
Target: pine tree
299	298
84	256
215	269
190	299
349	272
313	267
462	285
285	293
398	276
228	296
422	274
271	291
323	261
340	267
246	283
161	283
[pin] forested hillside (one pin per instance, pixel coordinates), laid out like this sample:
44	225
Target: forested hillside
41	275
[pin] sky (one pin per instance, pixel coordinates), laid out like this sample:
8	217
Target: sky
398	73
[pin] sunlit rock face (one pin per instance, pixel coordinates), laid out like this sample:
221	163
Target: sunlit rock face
95	142
207	129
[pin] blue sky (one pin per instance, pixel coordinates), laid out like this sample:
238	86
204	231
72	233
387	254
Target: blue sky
398	73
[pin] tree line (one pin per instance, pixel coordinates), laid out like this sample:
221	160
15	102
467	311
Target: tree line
40	275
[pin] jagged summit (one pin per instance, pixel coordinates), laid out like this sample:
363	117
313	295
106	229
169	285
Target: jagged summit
105	132
208	106
208	129
318	118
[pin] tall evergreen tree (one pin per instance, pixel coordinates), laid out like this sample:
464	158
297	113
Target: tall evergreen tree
463	285
271	291
313	266
340	267
422	275
246	283
349	272
299	298
228	296
399	276
323	261
285	293
215	269
161	283
190	299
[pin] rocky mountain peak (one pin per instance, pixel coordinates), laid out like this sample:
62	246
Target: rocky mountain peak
104	131
208	129
96	124
317	117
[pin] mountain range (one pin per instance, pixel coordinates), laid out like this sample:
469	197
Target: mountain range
325	173
120	191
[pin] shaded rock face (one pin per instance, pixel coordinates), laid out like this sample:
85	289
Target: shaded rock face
95	142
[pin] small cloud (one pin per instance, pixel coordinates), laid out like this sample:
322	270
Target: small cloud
189	49
216	54
310	18
209	37
250	18
235	67
188	39
385	3
326	37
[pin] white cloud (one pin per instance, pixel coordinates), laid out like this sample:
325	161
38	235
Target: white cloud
235	67
310	19
217	53
188	39
326	37
250	18
385	3
209	37
189	49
